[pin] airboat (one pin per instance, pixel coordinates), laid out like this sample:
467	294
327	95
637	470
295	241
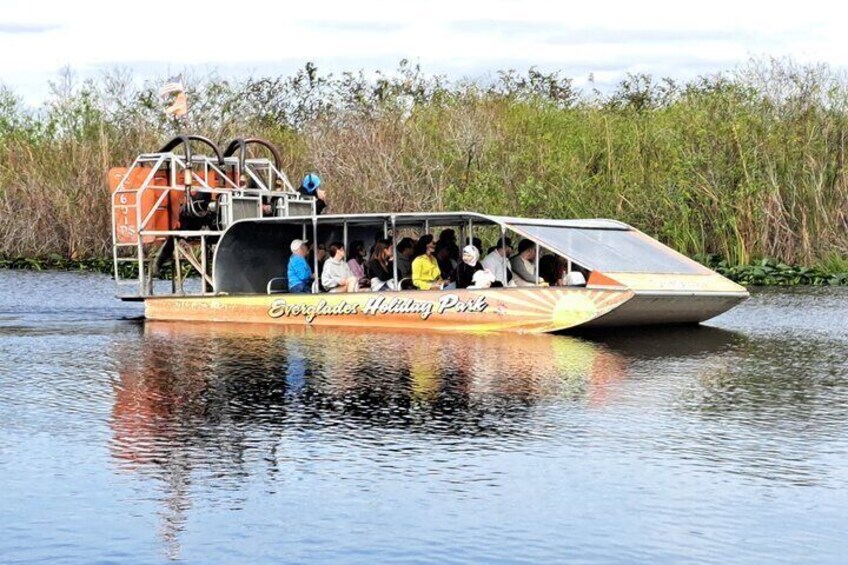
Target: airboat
216	229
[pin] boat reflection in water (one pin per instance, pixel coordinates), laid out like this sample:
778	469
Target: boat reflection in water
182	376
234	400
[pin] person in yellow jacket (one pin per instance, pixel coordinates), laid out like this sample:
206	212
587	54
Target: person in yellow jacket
425	268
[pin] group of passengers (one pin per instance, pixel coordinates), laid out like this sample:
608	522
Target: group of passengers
335	272
425	264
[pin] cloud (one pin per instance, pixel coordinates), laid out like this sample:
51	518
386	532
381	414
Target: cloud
563	34
444	36
583	36
19	28
504	27
356	27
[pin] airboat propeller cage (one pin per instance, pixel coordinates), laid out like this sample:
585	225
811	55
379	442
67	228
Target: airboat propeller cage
194	195
239	144
185	140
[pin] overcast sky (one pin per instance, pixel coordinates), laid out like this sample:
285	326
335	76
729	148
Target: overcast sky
458	38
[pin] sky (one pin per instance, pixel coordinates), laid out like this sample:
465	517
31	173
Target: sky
458	38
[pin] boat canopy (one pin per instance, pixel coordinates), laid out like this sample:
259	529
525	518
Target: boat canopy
611	250
253	251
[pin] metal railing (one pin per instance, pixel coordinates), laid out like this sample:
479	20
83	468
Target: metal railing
137	239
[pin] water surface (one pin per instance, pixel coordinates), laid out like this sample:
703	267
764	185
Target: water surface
124	441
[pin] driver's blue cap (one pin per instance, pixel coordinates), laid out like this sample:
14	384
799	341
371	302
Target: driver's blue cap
311	182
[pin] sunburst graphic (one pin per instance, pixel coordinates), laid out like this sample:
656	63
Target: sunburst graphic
573	309
534	310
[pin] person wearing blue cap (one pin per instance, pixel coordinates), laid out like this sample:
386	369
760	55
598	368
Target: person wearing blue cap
310	187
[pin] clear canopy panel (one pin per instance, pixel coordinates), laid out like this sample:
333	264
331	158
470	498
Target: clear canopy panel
612	250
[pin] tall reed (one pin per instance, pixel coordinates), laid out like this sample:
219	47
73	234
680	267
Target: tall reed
744	164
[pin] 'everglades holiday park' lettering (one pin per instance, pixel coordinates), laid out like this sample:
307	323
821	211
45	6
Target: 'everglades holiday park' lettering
378	305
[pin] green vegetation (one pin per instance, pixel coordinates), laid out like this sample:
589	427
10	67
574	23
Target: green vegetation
743	165
768	272
57	263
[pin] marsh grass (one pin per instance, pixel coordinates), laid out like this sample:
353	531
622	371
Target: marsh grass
742	165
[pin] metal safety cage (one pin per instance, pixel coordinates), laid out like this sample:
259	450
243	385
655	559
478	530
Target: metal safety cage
252	188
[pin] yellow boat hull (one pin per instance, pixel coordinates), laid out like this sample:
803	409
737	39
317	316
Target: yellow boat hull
522	310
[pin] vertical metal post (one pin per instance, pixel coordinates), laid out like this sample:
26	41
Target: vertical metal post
176	276
503	246
470	234
140	252
536	266
115	233
316	285
394	254
203	262
426	226
386	229
344	234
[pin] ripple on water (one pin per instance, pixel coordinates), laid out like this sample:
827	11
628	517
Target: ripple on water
136	441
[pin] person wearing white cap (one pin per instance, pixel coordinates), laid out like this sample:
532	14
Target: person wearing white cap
299	274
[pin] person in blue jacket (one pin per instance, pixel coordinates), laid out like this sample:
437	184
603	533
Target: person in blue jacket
309	187
299	274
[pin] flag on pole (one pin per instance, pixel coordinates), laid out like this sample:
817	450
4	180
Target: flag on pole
173	84
179	107
173	94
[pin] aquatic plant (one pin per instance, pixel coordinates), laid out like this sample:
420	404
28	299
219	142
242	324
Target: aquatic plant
769	272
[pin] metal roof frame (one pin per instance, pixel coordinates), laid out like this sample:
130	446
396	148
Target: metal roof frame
442	219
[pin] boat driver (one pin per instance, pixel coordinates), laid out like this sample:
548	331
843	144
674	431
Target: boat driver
309	187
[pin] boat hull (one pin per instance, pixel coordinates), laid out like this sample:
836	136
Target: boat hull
666	308
672	299
523	310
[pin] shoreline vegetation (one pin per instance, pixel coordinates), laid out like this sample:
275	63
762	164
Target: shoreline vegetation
742	170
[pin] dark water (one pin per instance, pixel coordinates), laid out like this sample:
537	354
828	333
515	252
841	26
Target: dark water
129	442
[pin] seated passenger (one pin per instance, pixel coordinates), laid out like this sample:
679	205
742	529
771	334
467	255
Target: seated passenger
380	267
470	265
356	261
319	252
337	276
549	269
478	243
443	258
425	269
299	274
405	252
574	278
524	264
497	263
448	239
